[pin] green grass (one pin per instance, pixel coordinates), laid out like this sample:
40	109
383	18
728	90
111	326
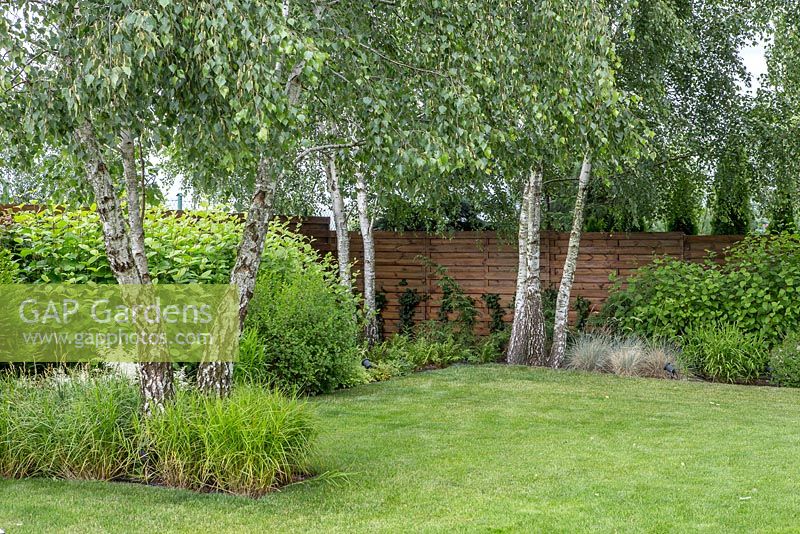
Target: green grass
492	448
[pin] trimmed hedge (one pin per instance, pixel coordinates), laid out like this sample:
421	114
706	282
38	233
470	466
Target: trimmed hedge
56	246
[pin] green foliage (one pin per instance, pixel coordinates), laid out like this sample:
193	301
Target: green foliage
248	443
9	270
682	59
784	362
433	345
605	210
781	214
682	206
583	308
303	326
549	297
56	246
448	214
380	303
724	352
663	298
732	213
454	300
491	348
756	289
496	312
68	426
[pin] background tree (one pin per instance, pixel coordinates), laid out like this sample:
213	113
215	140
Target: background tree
732	211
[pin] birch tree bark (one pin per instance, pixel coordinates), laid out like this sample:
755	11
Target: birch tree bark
516	352
214	378
340	222
528	335
365	224
559	346
135	213
155	378
533	284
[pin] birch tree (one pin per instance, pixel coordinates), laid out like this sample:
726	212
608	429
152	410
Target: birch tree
339	220
541	110
606	133
68	79
219	84
392	108
242	73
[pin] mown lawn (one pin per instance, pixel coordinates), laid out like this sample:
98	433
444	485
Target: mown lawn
492	448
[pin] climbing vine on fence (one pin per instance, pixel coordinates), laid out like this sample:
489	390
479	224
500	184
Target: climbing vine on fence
409	300
496	312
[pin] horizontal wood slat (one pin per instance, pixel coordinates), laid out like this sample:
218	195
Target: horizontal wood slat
483	262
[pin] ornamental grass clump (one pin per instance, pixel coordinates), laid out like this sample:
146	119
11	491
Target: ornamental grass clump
623	356
76	426
589	353
249	443
89	426
724	352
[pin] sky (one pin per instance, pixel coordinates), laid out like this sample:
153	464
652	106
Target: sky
755	61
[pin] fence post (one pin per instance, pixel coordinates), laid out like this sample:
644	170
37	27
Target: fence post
683	246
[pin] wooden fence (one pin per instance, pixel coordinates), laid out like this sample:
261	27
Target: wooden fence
482	263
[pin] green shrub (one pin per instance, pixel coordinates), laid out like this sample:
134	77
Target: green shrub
56	246
784	362
756	289
662	298
491	348
248	443
9	270
434	345
724	352
74	426
303	327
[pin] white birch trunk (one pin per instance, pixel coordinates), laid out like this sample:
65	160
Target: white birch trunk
135	213
515	354
340	222
559	347
365	224
156	384
528	336
215	377
533	284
